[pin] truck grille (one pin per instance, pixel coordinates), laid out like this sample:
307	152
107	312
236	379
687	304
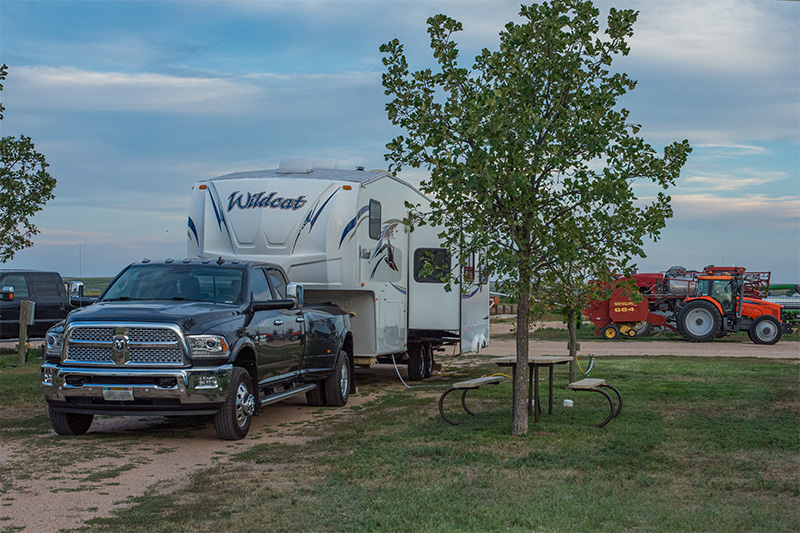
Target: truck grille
125	345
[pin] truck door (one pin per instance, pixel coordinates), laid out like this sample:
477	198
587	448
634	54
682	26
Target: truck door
291	343
51	301
271	333
9	310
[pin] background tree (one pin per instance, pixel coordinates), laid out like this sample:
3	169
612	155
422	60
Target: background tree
528	151
25	186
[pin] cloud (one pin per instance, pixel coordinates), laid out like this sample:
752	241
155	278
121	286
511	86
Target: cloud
755	211
727	182
67	88
741	37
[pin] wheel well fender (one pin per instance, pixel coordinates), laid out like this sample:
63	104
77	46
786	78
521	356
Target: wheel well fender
705	299
246	358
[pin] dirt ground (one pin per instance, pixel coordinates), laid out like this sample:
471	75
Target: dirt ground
50	483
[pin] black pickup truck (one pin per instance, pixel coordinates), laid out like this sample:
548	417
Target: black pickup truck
46	290
195	337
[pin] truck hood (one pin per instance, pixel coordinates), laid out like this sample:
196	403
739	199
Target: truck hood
192	317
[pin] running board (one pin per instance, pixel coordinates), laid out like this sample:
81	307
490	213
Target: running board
280	396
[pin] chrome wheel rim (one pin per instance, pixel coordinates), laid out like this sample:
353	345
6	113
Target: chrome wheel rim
245	405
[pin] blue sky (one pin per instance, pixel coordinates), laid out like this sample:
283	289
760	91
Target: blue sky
133	102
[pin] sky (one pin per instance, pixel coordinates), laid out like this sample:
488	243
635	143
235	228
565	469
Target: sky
133	102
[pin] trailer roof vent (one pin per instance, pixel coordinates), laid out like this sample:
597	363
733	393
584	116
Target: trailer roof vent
295	166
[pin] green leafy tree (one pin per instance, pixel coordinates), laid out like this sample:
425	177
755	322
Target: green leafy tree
25	186
528	152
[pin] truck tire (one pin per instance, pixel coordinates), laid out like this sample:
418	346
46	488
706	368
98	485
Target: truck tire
232	422
69	423
427	350
416	362
765	329
316	396
699	321
337	386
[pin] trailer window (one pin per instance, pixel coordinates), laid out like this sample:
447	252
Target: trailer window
431	265
374	219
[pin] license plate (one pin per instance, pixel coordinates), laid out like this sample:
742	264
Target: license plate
119	394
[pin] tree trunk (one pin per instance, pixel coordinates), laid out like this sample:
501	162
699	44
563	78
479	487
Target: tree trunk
520	395
573	351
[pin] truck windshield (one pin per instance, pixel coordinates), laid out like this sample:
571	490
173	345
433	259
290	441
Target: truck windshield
197	283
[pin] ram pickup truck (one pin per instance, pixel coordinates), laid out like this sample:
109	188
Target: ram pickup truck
195	337
46	290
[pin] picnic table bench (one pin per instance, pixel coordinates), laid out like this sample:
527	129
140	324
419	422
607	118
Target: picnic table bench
593	385
466	386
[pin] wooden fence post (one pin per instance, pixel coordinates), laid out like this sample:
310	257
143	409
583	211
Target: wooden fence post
26	311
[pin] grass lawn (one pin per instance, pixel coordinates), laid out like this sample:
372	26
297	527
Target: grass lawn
700	445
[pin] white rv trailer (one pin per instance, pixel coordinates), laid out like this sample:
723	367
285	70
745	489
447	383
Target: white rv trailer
340	233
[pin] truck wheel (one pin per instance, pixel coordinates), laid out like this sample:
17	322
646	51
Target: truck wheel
416	362
69	423
232	422
765	329
316	396
427	350
337	386
611	332
698	321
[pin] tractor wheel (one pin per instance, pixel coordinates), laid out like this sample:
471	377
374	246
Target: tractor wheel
765	329
698	321
610	332
644	329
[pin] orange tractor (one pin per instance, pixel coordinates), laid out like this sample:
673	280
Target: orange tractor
700	305
721	306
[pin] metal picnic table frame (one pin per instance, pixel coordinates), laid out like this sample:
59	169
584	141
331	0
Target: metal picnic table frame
534	362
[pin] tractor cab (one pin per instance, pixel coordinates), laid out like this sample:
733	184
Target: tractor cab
719	288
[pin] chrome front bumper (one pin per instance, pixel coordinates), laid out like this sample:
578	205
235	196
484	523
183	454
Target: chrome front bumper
120	391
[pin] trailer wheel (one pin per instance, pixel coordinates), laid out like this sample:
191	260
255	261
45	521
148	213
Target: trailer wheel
232	422
416	362
69	423
611	332
427	350
337	386
698	321
765	329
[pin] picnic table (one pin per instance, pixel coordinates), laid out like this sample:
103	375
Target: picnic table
535	361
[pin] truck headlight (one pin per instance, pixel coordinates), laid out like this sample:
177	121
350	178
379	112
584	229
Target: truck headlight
53	342
208	346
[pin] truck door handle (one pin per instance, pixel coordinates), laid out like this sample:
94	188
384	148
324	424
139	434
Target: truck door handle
278	322
299	319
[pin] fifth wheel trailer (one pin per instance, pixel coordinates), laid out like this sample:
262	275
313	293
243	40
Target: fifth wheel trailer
341	234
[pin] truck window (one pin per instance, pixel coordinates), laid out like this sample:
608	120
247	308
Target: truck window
260	287
278	283
431	265
18	282
45	285
374	219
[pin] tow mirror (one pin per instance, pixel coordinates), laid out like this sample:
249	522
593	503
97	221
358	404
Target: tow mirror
8	294
294	292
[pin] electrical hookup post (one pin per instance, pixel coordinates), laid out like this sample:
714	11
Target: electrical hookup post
26	314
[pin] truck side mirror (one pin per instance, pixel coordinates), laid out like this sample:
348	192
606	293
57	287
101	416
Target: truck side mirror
7	294
294	292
